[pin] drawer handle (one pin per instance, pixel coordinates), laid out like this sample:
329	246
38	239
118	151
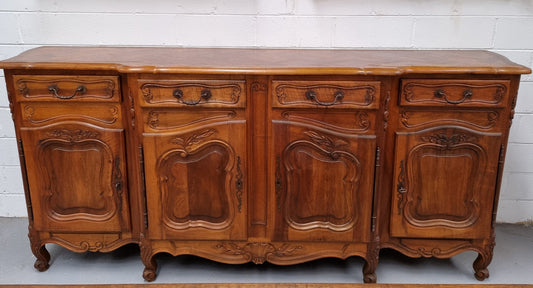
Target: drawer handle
204	94
54	89
467	94
311	95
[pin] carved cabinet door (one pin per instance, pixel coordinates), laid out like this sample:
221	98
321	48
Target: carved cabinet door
195	182
323	183
444	183
77	177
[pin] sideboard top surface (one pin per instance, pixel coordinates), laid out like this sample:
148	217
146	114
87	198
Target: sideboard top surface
264	61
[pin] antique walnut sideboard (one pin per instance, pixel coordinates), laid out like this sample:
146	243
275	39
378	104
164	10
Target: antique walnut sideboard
275	155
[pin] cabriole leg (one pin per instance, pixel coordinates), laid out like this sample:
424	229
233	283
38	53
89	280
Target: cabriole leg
150	265
369	272
480	265
39	250
371	261
43	259
484	258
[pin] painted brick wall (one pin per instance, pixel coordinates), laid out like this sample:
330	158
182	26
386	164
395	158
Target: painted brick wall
502	26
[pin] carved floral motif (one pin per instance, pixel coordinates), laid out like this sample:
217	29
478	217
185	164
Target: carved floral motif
448	141
326	141
194	139
258	252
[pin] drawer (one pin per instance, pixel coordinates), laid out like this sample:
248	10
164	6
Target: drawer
67	88
452	92
326	94
193	93
46	113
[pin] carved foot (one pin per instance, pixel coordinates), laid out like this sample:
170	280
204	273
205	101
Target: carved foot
43	257
482	274
484	258
370	278
480	266
369	273
149	273
150	268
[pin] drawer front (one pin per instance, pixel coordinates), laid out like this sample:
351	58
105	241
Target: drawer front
46	113
450	92
326	94
67	88
193	93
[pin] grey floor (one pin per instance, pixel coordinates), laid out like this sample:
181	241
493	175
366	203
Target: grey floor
512	264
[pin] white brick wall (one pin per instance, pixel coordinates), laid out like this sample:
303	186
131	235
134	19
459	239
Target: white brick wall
505	27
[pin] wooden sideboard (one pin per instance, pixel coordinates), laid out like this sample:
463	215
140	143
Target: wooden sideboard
240	155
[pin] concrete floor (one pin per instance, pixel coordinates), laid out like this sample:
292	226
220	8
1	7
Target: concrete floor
512	264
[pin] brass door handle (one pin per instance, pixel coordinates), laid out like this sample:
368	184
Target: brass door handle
440	93
204	94
311	95
54	90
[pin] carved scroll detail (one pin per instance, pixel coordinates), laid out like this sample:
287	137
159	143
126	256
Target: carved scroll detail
478	122
29	113
22	85
409	95
146	90
361	120
258	252
434	251
73	135
153	119
369	96
259	86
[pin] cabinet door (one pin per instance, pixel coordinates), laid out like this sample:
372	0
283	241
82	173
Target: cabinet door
76	176
445	181
323	183
195	182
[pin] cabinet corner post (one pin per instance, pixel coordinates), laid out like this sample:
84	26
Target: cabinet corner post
25	179
145	207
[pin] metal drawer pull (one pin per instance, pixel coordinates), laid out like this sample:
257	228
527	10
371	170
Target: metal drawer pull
311	95
440	93
204	94
54	89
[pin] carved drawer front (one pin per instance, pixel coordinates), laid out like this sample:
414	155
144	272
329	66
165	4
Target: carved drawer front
452	92
67	88
45	113
193	93
326	94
